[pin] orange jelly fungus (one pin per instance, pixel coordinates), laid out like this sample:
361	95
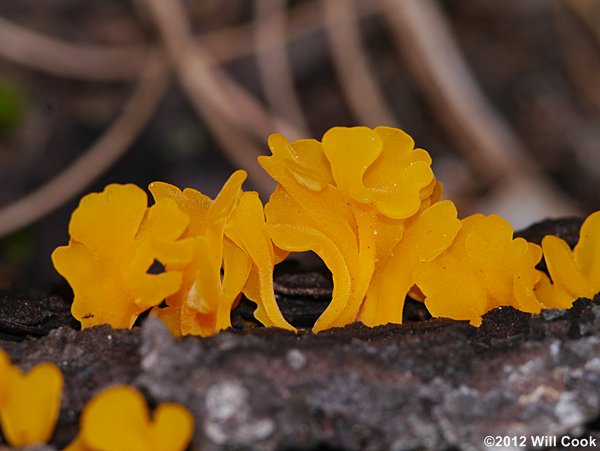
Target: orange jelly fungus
117	419
355	200
425	237
364	200
576	273
225	251
115	239
5	368
484	268
29	403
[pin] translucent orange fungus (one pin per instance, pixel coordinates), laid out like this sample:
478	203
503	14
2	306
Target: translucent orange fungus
29	403
575	273
225	251
349	200
118	419
115	238
484	268
364	200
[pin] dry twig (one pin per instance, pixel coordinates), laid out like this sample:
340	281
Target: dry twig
115	141
55	57
101	63
352	67
486	139
439	69
589	13
579	53
227	109
275	69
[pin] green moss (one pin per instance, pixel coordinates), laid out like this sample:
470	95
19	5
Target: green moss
13	105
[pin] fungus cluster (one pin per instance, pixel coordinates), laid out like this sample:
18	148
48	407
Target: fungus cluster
364	200
115	419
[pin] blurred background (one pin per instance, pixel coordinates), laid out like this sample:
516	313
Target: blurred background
504	95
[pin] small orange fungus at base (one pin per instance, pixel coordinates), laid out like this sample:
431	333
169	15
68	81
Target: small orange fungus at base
30	409
118	419
5	377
